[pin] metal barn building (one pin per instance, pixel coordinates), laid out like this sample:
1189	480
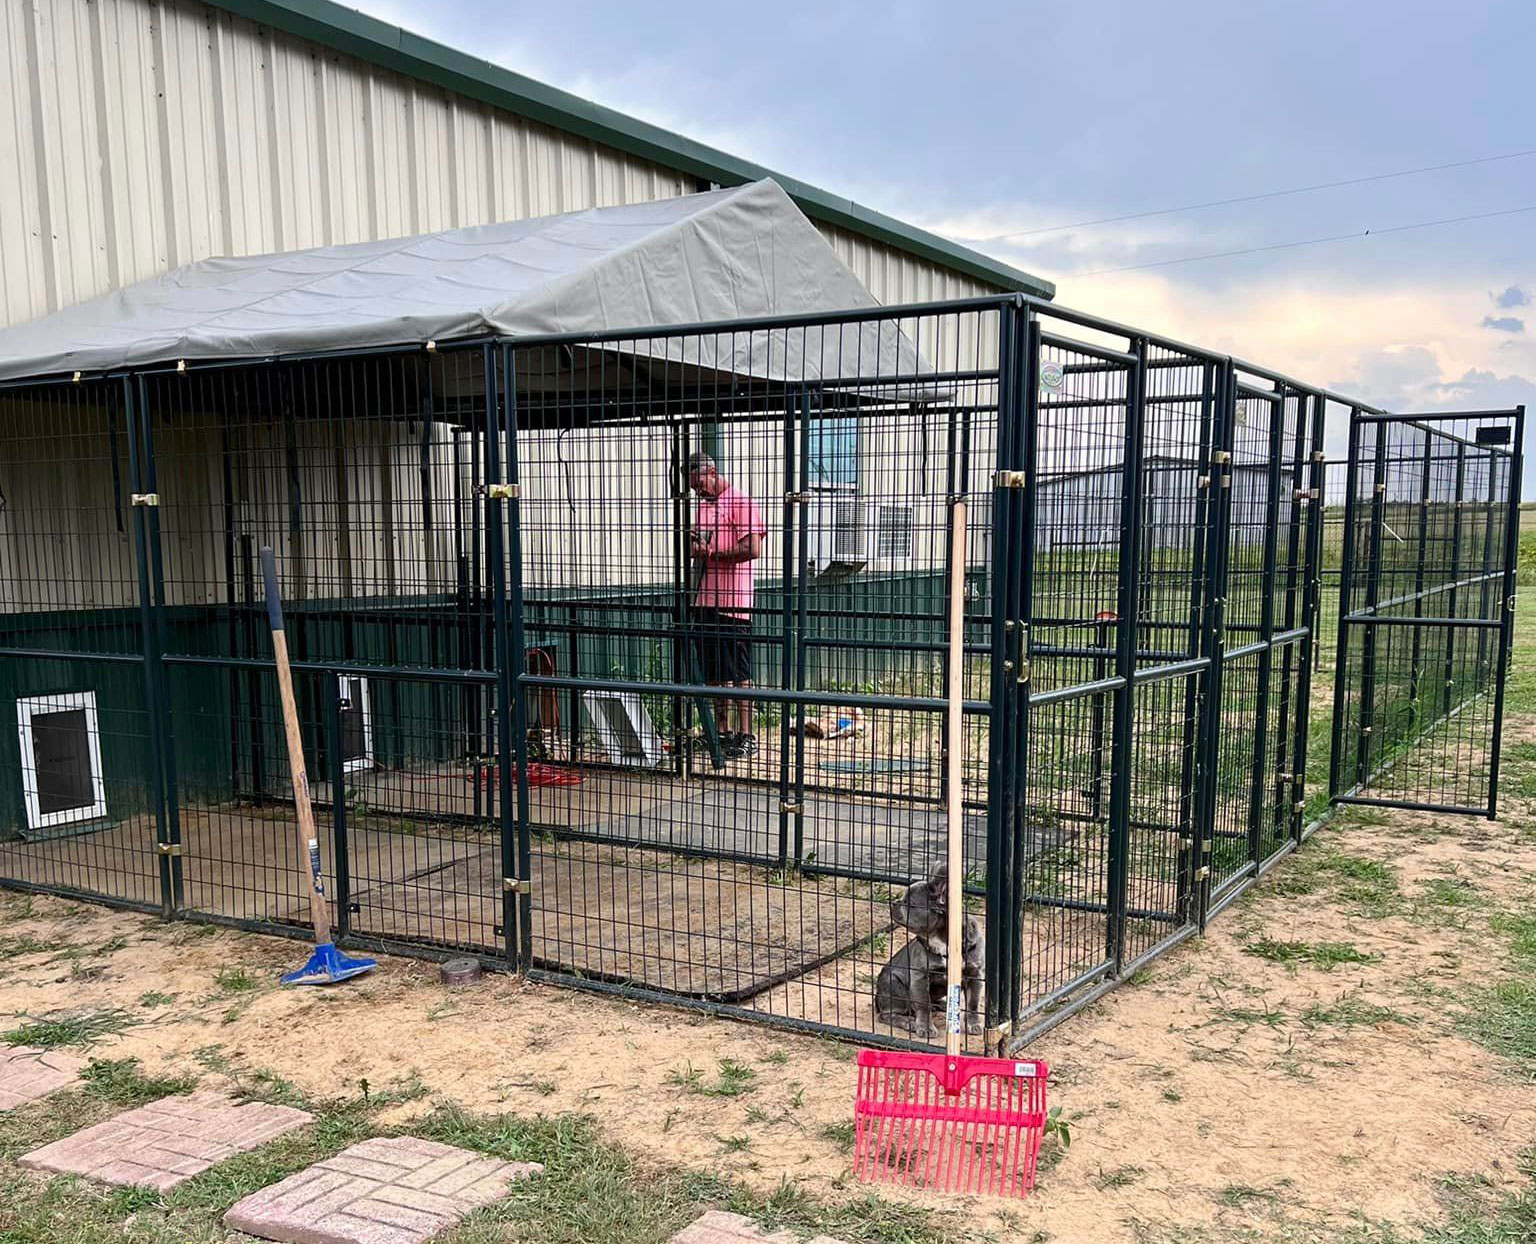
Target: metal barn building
143	136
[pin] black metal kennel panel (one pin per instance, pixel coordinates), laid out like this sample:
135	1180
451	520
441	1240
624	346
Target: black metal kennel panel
1426	611
664	854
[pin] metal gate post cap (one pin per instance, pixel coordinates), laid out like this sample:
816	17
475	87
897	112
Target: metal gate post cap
456	972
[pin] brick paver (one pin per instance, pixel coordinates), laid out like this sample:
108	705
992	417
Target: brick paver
717	1227
27	1074
398	1190
167	1141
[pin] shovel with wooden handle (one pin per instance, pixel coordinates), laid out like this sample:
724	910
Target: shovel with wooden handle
326	965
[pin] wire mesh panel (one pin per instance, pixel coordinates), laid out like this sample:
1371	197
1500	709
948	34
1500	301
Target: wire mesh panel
366	477
732	579
1427	606
79	772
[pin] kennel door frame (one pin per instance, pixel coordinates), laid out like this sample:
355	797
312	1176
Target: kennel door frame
1353	781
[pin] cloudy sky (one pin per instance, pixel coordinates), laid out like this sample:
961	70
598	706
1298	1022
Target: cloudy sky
990	122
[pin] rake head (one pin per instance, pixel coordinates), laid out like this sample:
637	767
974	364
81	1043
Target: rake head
328	966
952	1124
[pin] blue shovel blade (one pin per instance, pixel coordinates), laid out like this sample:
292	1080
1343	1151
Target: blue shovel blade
327	966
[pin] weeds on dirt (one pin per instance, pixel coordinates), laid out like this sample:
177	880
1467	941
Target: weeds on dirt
1323	955
1502	1018
81	1029
842	1135
119	1081
1119	1177
734	1080
1350	1010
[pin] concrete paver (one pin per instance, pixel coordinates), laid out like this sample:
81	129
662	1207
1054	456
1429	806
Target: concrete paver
168	1141
27	1073
397	1190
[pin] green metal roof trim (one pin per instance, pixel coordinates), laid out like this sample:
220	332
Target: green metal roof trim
369	39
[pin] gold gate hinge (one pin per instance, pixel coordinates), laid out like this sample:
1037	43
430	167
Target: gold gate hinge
512	885
1221	456
168	848
793	809
503	492
1009	479
145	498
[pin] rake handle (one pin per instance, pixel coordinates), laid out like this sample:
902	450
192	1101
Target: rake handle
954	755
319	912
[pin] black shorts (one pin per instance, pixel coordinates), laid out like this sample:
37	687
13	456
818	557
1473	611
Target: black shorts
724	645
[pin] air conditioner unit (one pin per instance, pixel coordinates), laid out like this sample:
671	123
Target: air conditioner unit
836	540
890	527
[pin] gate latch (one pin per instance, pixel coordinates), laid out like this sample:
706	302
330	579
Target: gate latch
512	885
1009	479
145	498
503	492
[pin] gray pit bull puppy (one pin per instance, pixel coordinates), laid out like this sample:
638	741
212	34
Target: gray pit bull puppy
910	987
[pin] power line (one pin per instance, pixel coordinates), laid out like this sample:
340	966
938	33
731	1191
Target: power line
1254	198
1336	237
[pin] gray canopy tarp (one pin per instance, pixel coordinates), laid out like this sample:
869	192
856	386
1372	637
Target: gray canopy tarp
724	255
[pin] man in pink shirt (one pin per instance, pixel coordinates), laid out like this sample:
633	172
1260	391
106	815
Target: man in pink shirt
728	534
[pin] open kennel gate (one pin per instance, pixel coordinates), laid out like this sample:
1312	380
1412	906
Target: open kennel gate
1426	609
484	549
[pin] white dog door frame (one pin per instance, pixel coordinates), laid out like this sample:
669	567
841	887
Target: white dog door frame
354	764
624	727
33	706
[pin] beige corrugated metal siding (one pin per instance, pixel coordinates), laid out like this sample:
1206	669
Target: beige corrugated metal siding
143	136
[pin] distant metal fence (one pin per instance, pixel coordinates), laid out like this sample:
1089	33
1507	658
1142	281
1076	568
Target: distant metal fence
515	619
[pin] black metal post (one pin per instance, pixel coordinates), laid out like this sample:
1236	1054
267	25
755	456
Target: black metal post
1128	597
340	848
149	642
1507	630
149	477
1021	592
792	498
1311	607
1213	633
511	738
1382	433
1002	769
511	579
1342	669
1258	815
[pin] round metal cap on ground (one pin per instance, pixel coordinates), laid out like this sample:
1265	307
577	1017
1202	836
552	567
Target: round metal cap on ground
460	972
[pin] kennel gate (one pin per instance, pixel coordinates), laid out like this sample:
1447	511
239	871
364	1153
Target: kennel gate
1427	607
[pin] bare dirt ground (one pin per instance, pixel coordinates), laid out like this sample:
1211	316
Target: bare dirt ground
1248	1086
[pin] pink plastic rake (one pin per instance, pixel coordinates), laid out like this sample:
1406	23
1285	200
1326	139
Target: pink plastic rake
955	1124
947	1121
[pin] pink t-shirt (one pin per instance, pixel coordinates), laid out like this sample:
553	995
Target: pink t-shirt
725	521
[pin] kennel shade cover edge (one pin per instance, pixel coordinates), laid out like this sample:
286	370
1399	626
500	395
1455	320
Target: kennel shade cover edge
715	257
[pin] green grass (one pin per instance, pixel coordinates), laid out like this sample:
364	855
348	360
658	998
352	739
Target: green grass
84	1029
1521	931
235	981
1502	1018
1324	955
1367	886
1349	1010
842	1135
733	1080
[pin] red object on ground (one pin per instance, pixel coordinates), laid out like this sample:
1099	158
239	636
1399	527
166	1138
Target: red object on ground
952	1124
538	775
